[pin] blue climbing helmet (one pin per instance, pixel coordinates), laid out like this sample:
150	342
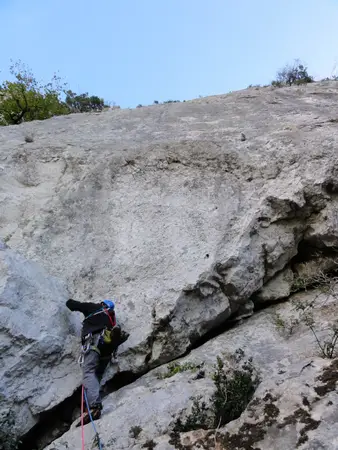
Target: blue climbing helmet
109	304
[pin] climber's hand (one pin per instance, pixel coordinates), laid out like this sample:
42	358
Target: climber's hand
114	359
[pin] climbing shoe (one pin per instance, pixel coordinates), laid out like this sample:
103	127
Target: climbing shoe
96	414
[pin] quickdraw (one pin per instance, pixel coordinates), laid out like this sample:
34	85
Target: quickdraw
90	342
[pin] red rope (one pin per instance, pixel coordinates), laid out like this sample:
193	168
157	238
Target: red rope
111	320
82	427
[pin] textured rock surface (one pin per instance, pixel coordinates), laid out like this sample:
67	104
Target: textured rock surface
277	288
167	209
295	400
38	347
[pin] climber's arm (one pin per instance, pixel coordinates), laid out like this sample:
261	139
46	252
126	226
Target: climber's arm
84	307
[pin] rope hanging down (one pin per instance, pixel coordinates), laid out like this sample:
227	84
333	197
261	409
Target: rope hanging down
97	437
82	427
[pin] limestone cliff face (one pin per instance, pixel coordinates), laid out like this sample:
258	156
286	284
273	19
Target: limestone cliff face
294	405
39	342
170	211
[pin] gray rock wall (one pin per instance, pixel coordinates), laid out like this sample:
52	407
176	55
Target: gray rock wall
38	340
167	210
295	402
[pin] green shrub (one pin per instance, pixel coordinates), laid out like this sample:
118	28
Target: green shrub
232	394
24	99
83	103
197	419
175	367
285	325
293	74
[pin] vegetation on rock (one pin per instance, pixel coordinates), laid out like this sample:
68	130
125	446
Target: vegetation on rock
176	367
8	438
83	102
25	99
233	392
296	73
326	284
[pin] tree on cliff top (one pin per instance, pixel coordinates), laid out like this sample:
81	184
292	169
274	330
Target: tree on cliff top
293	74
25	99
84	102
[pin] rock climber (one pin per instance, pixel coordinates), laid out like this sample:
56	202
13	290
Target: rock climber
101	337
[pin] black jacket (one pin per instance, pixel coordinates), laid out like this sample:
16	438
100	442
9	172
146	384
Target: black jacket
94	323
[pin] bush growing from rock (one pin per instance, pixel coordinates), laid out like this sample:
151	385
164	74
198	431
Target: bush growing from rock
325	283
197	419
233	392
83	102
25	99
293	74
176	367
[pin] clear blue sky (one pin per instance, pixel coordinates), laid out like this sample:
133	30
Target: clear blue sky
138	51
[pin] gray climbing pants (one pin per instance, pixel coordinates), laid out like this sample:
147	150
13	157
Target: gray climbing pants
93	369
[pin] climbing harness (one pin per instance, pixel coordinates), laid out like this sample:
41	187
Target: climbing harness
97	436
90	342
